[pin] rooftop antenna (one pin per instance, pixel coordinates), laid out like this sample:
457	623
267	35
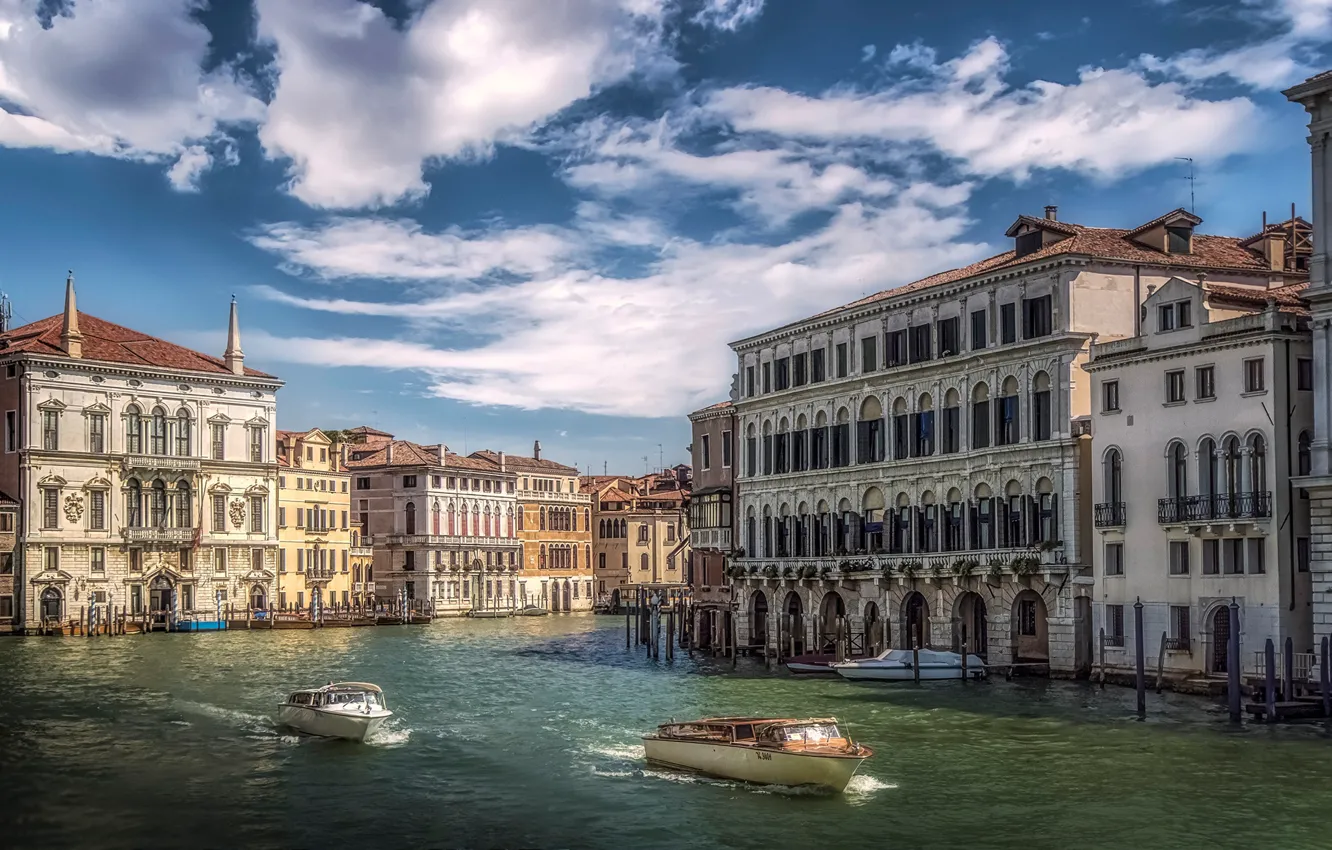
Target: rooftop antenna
6	312
647	467
1192	206
661	457
604	467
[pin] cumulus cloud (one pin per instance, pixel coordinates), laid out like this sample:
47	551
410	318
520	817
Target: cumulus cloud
362	103
1109	123
729	14
118	78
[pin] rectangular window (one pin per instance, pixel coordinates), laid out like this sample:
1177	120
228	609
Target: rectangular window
1027	618
1211	562
7	522
6	607
705	451
1257	549
1114	625
1304	374
1165	318
300	517
364	483
1007	323
980	329
749	381
799	375
842	361
922	344
1254	379
951	431
1205	378
869	354
949	341
896	342
97	510
1233	556
217	441
1174	386
51	508
766	369
282	517
782	374
257	513
219	513
97	560
97	433
980	425
256	445
726	449
256	560
1179	557
1179	239
1180	634
6	563
1114	559
1109	396
410	481
1302	554
1183	314
220	560
50	430
11	430
1036	318
817	370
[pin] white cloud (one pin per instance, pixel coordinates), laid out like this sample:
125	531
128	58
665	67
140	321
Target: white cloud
1281	60
117	78
362	104
867	52
1107	124
729	14
189	167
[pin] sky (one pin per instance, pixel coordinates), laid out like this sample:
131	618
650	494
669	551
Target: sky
490	222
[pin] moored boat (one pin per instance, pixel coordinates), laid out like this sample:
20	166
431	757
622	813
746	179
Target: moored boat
532	611
766	751
900	665
350	710
812	663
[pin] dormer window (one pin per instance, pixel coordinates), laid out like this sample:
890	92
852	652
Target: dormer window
1170	317
1179	239
1028	243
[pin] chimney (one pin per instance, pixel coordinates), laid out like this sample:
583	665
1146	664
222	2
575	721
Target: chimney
70	338
388	453
536	450
233	357
1052	212
440	448
501	461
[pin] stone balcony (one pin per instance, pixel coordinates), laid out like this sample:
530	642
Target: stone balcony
152	463
447	540
934	566
177	536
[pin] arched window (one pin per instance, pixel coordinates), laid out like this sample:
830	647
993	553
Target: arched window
1040	407
133	430
476	521
183	433
1234	467
587	519
1114	477
643	561
434	519
1304	458
1207	468
488	528
453	520
1257	464
409	518
134	504
158	508
520	518
601	527
1179	472
184	505
542	555
543	519
157	432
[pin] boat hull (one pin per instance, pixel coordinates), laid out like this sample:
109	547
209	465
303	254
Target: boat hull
867	673
754	764
351	726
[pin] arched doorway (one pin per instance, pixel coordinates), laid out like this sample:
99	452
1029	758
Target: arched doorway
53	604
554	595
832	612
258	598
916	621
1220	639
567	591
615	598
758	619
875	637
969	624
793	629
159	598
1031	636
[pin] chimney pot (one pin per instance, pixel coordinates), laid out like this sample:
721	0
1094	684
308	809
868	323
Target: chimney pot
536	450
501	461
388	454
1052	212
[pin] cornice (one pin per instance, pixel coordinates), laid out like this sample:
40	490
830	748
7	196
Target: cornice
74	364
1154	355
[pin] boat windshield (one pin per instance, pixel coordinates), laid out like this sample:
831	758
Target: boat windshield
353	699
813	733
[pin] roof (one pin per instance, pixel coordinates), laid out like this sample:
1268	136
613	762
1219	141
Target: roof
108	342
367	431
1176	213
713	410
409	454
1279	228
1102	243
530	464
6	499
1282	296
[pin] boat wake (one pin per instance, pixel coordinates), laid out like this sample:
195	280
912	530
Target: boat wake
862	787
389	737
256	723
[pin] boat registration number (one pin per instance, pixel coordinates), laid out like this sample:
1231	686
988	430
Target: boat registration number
765	756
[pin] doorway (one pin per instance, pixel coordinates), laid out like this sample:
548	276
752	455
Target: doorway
1221	640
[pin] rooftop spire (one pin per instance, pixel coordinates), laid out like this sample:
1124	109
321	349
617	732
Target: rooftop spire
70	338
233	357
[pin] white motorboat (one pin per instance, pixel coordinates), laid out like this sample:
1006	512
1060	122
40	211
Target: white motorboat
766	751
350	710
898	665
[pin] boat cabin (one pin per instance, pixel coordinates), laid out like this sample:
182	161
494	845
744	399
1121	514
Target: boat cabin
347	696
771	733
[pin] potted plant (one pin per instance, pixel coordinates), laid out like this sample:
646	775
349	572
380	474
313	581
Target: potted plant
936	571
753	569
965	567
824	571
888	569
808	571
1025	565
996	568
910	569
770	571
788	572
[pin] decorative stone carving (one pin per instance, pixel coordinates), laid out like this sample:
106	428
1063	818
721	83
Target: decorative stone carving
237	512
74	507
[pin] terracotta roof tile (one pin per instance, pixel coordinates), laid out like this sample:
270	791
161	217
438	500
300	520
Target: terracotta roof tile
525	463
1178	212
1284	296
111	343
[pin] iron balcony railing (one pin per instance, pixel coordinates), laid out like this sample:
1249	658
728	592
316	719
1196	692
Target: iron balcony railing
1178	644
1114	640
1110	514
1224	506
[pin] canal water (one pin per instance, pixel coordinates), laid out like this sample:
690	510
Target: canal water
524	733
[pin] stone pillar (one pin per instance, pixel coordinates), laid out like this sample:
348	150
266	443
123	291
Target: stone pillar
999	632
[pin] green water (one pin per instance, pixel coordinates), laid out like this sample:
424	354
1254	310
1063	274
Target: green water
524	733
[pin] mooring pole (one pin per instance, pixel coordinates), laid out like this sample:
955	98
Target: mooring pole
1141	659
1269	661
1325	680
1288	690
626	627
1102	676
1160	663
915	660
1233	664
964	654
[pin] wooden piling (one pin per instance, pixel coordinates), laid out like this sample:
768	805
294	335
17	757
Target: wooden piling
1289	664
1269	659
1233	666
1325	680
1102	671
735	641
964	654
1160	664
915	660
1141	659
626	627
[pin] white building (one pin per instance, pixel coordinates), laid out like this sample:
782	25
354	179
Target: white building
1201	422
1315	95
145	470
442	526
960	506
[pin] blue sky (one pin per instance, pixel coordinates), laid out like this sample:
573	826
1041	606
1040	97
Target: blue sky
486	222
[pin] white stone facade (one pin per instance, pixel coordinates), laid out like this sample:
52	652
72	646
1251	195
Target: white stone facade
1200	424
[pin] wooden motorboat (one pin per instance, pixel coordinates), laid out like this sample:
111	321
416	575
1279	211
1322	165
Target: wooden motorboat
489	613
350	710
899	665
812	663
762	750
532	611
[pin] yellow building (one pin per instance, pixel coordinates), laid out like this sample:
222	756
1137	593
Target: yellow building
640	531
314	531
